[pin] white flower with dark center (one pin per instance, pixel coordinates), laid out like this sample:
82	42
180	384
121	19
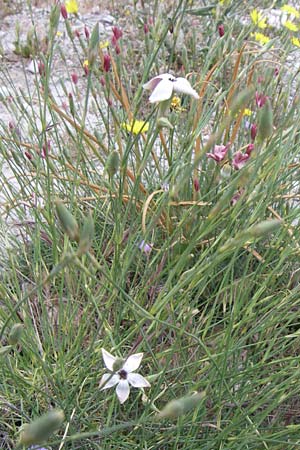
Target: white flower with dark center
122	374
163	86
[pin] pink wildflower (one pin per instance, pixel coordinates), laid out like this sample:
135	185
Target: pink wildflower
236	197
219	152
239	160
260	99
146	248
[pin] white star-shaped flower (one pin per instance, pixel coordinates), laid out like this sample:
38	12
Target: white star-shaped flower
164	85
123	376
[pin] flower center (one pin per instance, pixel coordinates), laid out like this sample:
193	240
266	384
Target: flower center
172	79
123	374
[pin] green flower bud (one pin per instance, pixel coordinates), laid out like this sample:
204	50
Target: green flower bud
256	231
41	429
95	38
112	163
15	333
264	227
265	121
118	364
163	122
177	408
54	18
86	235
67	220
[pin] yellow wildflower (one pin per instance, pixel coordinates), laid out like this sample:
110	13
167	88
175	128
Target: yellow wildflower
71	6
104	44
136	127
290	25
247	112
86	63
295	41
258	19
58	33
261	38
290	10
224	2
176	104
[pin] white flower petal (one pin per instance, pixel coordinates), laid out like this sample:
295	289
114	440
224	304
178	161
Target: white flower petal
133	362
163	91
182	86
123	390
108	359
112	382
166	76
136	380
150	85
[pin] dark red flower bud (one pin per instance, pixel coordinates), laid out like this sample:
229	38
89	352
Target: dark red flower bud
118	49
77	33
146	28
86	69
74	77
102	81
41	68
221	30
64	12
106	62
249	149
253	131
117	32
86	32
114	41
196	184
28	155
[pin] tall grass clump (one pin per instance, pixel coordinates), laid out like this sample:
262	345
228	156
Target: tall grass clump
152	245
